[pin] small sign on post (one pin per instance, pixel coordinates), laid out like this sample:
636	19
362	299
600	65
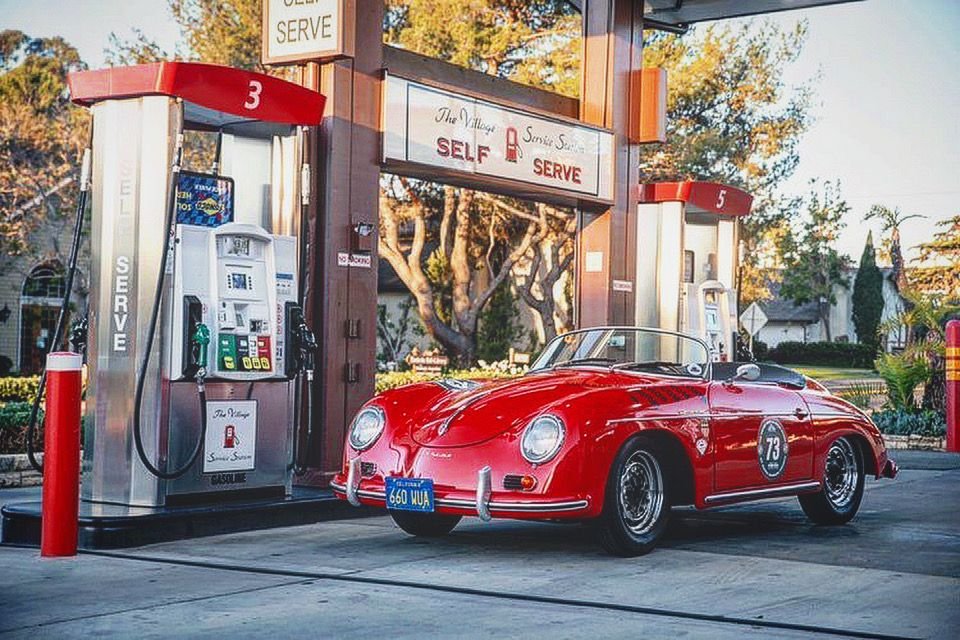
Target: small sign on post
753	319
307	30
427	361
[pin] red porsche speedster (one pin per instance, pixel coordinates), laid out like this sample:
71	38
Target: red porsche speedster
613	425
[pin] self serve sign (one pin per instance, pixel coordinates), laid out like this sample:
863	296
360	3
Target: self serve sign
303	30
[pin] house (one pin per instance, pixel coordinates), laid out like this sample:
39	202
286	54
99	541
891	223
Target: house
802	323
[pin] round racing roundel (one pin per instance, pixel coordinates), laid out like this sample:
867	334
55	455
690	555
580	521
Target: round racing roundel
772	448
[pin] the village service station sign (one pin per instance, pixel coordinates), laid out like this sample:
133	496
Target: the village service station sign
429	126
304	30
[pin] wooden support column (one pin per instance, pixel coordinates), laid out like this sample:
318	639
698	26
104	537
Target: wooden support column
607	240
346	183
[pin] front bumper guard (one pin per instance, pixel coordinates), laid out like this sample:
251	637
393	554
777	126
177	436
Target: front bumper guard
481	504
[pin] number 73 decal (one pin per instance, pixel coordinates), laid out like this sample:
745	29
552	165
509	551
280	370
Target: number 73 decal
772	448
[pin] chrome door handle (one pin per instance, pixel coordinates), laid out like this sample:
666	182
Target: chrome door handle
800	413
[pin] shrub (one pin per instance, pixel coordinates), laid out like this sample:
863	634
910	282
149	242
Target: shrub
904	423
19	389
902	373
861	394
394	379
13	427
827	354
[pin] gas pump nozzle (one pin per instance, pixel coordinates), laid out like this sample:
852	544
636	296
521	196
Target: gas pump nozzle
199	341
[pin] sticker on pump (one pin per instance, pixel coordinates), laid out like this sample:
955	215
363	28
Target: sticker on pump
231	440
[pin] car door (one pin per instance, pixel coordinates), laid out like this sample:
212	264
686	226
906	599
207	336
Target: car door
763	436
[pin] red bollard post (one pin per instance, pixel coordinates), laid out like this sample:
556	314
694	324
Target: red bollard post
61	456
953	385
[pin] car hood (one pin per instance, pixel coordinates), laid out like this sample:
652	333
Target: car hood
467	417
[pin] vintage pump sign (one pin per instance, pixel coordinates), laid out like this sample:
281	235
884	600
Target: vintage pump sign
425	125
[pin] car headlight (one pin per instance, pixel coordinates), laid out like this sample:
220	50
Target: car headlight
542	439
366	428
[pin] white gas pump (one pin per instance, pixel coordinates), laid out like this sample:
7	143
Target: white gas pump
197	337
687	260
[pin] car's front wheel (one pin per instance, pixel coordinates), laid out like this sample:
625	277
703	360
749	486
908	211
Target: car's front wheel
426	525
842	491
637	506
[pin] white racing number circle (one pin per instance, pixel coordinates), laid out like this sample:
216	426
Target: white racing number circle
772	448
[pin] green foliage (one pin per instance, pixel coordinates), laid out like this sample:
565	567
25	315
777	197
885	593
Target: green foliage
41	136
868	297
900	422
862	394
15	389
938	265
500	328
396	379
393	334
440	277
828	354
13	427
534	42
902	373
812	265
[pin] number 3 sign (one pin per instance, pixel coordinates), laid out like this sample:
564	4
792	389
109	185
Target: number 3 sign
253	96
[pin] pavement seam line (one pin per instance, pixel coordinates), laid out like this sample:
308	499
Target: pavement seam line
156	606
505	595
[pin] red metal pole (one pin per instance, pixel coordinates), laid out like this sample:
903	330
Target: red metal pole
953	385
61	456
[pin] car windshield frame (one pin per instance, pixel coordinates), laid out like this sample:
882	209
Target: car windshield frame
601	362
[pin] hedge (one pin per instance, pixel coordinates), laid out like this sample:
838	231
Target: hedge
828	354
19	389
394	379
13	427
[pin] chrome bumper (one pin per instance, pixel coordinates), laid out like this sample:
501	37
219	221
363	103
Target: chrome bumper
481	504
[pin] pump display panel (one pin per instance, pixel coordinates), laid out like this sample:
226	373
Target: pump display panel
204	200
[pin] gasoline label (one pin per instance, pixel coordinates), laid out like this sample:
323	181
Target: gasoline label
772	448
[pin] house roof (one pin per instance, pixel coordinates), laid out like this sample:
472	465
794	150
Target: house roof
780	309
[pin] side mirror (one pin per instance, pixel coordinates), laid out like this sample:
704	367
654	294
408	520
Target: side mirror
749	372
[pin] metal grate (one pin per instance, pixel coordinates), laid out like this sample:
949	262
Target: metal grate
368	468
513	482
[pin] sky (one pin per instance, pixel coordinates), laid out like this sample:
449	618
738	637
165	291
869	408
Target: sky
886	107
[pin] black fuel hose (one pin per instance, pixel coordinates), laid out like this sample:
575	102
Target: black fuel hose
169	222
64	306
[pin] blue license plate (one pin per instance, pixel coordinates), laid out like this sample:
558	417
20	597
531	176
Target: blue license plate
409	494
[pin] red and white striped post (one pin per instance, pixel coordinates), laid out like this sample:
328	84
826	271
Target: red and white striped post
61	455
953	385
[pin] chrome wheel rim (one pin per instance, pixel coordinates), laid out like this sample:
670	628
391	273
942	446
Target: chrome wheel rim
641	492
841	475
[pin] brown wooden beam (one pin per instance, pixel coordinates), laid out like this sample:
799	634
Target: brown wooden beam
432	71
613	48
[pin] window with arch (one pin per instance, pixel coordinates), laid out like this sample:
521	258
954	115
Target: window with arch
46	280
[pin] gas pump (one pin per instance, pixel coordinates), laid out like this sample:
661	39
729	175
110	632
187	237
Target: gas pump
686	270
197	341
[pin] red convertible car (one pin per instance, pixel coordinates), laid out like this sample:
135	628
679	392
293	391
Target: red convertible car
613	425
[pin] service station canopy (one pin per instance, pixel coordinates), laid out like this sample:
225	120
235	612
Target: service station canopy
215	97
678	13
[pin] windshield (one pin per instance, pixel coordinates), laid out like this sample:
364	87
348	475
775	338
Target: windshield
632	349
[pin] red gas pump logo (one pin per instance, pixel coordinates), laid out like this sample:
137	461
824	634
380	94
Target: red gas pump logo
230	439
514	152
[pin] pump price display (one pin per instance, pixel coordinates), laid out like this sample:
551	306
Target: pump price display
409	494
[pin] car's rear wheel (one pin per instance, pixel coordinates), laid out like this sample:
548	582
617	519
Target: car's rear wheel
426	525
637	506
842	491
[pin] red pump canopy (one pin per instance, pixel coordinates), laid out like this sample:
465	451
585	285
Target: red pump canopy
214	96
709	197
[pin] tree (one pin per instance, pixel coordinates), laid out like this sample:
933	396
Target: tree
868	296
41	140
499	326
891	219
937	269
732	118
812	266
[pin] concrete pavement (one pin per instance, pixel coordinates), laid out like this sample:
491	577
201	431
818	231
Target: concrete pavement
757	570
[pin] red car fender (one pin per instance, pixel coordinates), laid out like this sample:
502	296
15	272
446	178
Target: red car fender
834	417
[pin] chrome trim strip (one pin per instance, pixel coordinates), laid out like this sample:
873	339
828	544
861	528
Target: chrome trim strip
763	493
465	503
665	416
